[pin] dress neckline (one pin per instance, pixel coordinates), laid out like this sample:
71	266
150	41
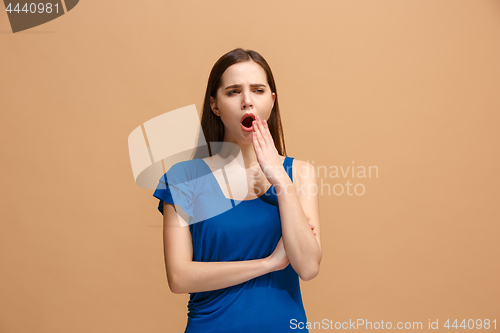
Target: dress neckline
222	193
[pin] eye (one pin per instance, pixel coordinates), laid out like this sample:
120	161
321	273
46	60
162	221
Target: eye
231	92
260	90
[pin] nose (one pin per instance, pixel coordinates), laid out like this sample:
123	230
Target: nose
247	101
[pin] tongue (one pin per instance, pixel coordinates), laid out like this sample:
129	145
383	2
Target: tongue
247	122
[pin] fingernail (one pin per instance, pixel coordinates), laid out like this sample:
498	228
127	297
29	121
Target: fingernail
264	121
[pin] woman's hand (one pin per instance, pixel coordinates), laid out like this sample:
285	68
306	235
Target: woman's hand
278	259
312	226
267	154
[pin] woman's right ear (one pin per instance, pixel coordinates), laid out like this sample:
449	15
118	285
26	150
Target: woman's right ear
213	106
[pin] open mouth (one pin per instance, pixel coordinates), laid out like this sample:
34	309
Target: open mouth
247	120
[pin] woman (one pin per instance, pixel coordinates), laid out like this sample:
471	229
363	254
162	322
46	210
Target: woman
242	264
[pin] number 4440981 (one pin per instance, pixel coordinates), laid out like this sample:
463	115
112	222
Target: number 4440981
34	8
472	324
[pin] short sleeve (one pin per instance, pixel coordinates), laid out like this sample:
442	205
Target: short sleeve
175	187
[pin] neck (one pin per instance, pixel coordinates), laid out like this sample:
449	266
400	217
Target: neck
247	152
248	157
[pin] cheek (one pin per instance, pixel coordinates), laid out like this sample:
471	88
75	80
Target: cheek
266	102
228	118
269	106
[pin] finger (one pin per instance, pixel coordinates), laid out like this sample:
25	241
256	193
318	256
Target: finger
267	131
262	130
259	136
254	126
256	129
256	144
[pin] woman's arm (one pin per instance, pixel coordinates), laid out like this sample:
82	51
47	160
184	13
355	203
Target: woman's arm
299	207
187	276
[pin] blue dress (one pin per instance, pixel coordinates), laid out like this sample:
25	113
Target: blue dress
224	229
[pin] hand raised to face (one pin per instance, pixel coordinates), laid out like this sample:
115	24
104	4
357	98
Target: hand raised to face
267	154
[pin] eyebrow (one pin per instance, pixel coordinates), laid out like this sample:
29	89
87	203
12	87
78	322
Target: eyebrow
252	85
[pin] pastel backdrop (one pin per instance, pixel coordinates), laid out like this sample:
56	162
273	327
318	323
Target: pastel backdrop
409	87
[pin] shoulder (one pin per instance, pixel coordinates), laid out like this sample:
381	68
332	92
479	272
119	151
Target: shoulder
184	170
303	171
188	164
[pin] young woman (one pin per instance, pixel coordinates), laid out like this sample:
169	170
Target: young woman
242	264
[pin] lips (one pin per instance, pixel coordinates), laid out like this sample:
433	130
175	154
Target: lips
247	119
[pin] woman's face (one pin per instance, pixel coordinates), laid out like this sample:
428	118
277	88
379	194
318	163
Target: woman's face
244	89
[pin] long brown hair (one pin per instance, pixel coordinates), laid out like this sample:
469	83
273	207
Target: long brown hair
212	125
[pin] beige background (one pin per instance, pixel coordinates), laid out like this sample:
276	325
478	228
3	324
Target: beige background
411	87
